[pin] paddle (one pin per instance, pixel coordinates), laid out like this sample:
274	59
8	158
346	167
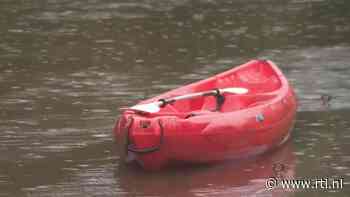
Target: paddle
155	106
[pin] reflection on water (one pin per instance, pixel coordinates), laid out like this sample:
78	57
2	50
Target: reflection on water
232	178
67	66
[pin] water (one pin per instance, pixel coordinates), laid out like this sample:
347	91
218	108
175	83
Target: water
67	66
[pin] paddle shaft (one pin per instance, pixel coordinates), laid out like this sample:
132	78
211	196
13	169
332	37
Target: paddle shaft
162	102
155	106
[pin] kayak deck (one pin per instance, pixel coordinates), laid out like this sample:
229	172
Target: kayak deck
260	79
198	131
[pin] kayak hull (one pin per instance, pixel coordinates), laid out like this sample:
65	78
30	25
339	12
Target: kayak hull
194	132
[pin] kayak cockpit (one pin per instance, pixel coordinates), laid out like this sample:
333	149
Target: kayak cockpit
209	104
261	81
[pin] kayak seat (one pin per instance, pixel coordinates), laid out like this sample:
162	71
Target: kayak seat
231	103
234	102
208	104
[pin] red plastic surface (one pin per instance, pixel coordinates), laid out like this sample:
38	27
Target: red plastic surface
245	125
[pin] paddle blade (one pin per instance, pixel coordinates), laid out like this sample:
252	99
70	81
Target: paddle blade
149	107
236	90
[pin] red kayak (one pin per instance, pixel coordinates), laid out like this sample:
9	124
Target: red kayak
242	112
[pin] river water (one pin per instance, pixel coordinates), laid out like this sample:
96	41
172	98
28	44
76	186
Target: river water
67	66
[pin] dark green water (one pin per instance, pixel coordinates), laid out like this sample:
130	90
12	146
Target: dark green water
67	66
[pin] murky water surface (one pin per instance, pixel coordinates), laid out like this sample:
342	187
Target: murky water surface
67	66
